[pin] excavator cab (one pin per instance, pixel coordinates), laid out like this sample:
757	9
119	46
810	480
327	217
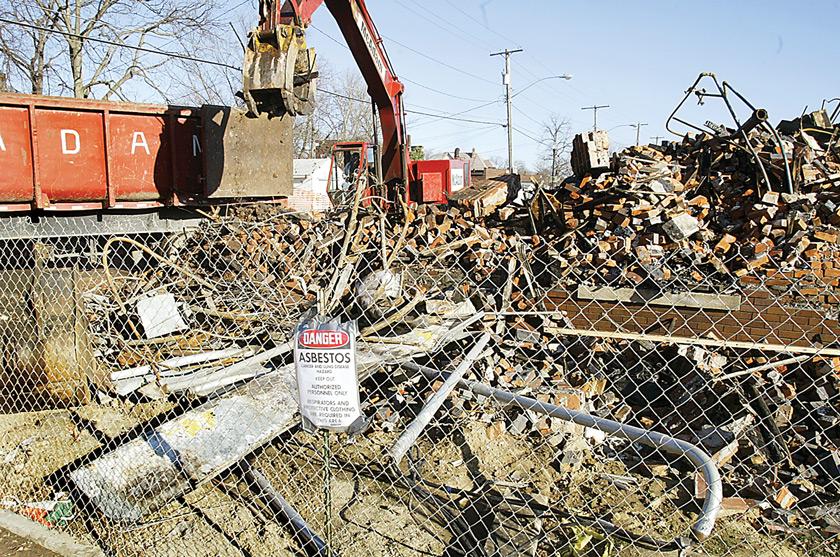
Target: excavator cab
355	167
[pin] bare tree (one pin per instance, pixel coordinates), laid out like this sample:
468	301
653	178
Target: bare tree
497	161
195	83
26	56
100	39
555	162
523	168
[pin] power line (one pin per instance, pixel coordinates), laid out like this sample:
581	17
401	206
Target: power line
547	86
442	63
215	19
343	45
469	16
423	54
532	132
120	45
443	92
460	34
473	137
449	116
528	116
446	117
529	136
511	40
330	37
236	68
437	116
469	133
443	25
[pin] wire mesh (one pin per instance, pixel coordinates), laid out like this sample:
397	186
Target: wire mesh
149	400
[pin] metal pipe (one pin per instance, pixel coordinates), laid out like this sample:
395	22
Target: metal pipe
399	449
301	530
744	134
722	94
682	102
836	109
714	487
780	142
765	367
759	117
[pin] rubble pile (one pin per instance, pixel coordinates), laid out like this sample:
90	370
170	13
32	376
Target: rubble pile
242	283
699	211
226	292
201	313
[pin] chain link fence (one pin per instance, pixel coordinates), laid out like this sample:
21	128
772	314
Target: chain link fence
600	395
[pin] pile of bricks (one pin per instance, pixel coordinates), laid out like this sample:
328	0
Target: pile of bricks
700	211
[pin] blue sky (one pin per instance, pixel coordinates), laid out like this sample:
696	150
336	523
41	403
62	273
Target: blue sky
638	57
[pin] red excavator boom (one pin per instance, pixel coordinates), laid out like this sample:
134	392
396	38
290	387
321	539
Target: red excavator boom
280	79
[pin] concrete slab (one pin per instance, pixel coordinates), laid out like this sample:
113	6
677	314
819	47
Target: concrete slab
20	536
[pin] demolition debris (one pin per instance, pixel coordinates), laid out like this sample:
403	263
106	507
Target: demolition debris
555	287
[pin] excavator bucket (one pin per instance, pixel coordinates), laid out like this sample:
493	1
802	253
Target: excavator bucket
279	74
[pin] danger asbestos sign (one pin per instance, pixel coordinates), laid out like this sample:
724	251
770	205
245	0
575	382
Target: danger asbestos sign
325	359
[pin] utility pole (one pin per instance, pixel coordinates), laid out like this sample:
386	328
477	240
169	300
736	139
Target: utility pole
506	79
553	165
595	110
657	139
638	126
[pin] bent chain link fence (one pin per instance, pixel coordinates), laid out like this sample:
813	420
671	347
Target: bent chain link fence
149	398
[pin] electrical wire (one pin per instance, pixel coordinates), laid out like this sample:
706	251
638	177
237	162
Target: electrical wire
239	69
443	143
432	89
341	44
454	119
529	136
472	135
454	115
460	34
528	116
473	132
421	113
514	42
442	24
442	63
119	45
475	20
215	19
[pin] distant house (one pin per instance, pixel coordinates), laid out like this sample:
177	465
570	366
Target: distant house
478	166
310	186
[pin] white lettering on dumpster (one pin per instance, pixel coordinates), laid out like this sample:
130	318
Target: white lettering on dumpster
196	146
2	145
77	142
139	140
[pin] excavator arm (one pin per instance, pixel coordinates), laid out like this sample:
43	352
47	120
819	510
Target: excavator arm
279	75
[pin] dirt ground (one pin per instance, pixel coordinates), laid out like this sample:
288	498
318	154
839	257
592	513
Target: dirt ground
470	467
11	544
35	445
